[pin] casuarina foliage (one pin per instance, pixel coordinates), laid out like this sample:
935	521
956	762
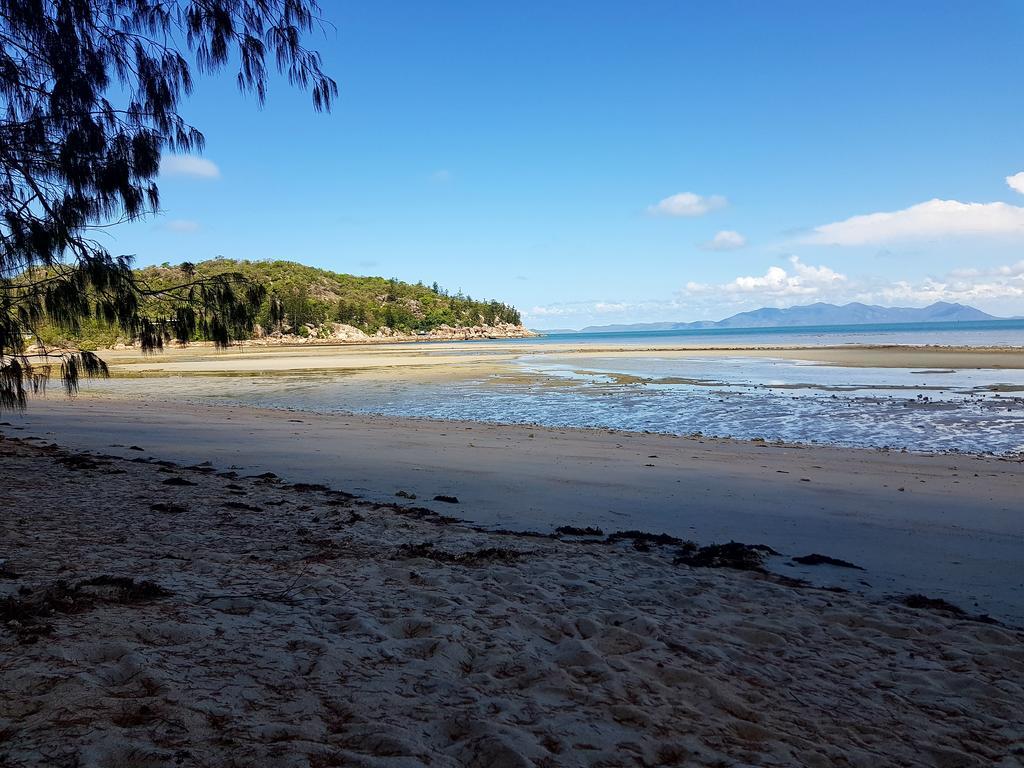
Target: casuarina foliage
90	92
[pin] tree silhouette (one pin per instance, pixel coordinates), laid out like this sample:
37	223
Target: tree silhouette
89	93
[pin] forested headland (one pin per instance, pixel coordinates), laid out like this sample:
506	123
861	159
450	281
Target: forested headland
308	303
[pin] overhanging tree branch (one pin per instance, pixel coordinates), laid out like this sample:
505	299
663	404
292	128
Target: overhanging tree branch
89	98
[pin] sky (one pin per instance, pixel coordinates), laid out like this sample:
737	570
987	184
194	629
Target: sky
609	162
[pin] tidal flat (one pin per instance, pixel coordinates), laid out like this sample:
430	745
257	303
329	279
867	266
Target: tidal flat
952	399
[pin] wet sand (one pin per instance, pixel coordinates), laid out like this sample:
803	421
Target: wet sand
947	526
473	357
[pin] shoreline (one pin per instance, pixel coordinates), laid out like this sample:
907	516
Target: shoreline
582	431
862	505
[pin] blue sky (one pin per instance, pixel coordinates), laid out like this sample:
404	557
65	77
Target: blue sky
596	162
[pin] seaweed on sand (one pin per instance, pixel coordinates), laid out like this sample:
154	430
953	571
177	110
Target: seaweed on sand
569	530
121	590
28	614
643	540
484	556
308	487
923	602
419	513
80	461
816	559
241	505
168	508
514	533
744	557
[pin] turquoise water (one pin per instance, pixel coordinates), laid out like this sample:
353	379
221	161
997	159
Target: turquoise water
982	333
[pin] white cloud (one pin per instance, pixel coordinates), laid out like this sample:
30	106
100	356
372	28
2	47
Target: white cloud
924	221
726	240
1016	182
442	176
996	289
604	307
1003	285
801	280
967	286
586	309
577	307
182	225
188	165
688	204
554	310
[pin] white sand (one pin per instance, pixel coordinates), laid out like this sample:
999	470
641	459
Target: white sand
298	635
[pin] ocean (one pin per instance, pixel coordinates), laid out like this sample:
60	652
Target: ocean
982	333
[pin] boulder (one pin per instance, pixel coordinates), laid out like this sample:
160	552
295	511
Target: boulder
343	332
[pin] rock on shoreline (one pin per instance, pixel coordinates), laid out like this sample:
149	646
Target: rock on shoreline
340	333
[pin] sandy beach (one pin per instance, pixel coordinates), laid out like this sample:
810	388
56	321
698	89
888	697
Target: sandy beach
160	615
948	526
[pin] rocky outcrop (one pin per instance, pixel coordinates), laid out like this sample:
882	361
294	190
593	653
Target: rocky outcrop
335	333
340	333
459	333
343	332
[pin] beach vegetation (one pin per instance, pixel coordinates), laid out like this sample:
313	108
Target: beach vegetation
90	93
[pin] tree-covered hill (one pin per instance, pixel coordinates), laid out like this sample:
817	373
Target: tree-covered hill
306	301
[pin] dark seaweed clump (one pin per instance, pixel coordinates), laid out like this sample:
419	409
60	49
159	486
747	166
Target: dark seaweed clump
643	540
816	559
743	557
121	590
28	615
569	530
923	602
168	508
309	487
484	556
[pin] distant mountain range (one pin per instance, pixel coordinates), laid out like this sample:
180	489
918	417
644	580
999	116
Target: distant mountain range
854	313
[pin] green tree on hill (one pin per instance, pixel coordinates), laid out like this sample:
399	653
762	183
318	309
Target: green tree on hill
295	296
89	94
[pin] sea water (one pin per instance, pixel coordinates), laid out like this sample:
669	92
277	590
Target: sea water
977	333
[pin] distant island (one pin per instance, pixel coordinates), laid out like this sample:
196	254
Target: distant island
820	313
320	305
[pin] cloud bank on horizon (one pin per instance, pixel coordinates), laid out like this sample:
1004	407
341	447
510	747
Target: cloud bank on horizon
930	222
782	287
